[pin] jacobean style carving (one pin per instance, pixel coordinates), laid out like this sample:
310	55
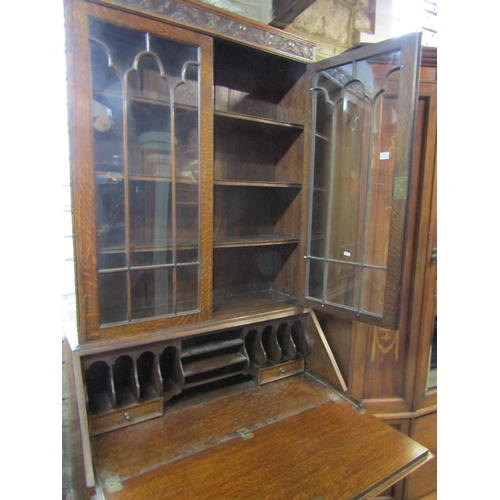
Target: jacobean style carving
225	25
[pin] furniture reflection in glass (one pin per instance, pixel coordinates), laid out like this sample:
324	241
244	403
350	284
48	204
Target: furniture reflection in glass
145	119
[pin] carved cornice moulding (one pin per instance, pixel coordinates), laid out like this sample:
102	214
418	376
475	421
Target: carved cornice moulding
217	22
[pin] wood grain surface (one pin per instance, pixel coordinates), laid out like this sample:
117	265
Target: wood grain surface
305	446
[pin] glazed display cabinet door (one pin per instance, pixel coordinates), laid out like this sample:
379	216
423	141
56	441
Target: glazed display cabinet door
363	114
146	172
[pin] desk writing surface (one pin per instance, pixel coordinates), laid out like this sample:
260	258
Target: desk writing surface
328	450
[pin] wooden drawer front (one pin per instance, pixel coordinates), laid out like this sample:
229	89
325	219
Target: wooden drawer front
281	371
126	415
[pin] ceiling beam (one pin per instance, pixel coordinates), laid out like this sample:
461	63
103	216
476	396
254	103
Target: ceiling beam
285	11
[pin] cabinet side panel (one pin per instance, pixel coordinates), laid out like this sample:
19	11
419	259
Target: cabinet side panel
77	462
82	173
423	481
422	321
292	107
384	364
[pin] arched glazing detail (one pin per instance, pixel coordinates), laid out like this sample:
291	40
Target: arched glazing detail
355	116
146	163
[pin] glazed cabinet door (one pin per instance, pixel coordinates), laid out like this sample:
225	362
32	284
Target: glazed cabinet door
362	120
142	135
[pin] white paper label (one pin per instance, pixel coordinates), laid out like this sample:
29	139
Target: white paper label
384	155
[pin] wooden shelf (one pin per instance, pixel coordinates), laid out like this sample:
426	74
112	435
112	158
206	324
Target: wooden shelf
261	299
112	94
182	244
256	120
145	100
118	177
178	179
211	347
253	240
211	364
109	177
257	184
210	380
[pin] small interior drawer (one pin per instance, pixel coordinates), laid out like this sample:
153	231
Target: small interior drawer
281	371
125	415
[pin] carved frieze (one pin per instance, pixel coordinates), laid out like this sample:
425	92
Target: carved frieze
224	25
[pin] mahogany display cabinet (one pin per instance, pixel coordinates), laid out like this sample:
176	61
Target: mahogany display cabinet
226	187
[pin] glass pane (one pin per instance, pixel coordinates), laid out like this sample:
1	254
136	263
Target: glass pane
151	258
186	114
110	214
152	293
324	108
107	113
381	182
186	149
149	130
187	254
112	259
123	44
173	55
146	159
151	224
343	284
349	170
187	222
373	290
113	297
432	373
316	278
374	70
107	118
187	166
319	212
187	288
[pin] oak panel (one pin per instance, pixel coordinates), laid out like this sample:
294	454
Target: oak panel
424	481
184	431
300	465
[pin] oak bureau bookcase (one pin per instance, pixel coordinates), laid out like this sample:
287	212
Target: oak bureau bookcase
224	187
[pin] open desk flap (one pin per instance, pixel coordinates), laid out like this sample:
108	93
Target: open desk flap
290	439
